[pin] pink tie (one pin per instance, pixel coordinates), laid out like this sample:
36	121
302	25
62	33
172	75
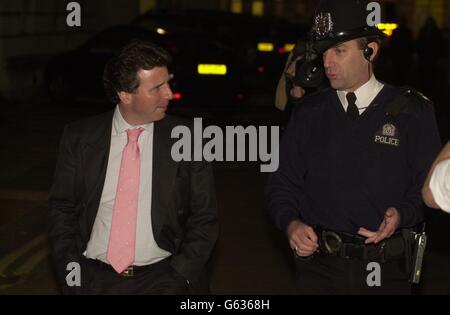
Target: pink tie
122	237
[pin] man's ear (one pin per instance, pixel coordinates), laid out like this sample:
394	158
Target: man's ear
376	49
125	97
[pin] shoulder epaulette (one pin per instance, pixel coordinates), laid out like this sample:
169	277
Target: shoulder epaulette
414	94
409	101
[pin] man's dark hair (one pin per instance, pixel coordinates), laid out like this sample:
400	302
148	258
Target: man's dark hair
120	74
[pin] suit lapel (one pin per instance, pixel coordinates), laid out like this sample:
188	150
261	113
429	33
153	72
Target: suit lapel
96	154
164	172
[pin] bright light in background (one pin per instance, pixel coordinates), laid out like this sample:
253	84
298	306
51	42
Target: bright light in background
177	96
265	47
387	28
212	69
161	31
289	47
258	8
236	6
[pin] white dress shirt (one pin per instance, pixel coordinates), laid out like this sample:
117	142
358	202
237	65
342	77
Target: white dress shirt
146	251
364	95
440	185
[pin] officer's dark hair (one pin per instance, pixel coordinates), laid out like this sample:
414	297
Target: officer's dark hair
121	71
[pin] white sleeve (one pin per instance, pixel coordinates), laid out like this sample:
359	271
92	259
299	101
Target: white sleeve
440	185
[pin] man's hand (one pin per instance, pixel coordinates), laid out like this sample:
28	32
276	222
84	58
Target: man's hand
302	238
296	91
387	228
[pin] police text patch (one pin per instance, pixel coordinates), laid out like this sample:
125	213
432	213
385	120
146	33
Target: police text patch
388	135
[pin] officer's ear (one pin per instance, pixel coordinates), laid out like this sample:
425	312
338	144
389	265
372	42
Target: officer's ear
375	50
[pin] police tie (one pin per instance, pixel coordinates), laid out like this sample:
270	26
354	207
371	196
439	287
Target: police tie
352	109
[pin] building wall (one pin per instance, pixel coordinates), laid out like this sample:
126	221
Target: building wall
31	30
416	12
294	10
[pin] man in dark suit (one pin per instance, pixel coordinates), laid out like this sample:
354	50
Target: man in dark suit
133	220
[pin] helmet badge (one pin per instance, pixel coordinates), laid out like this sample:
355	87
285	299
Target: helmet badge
323	25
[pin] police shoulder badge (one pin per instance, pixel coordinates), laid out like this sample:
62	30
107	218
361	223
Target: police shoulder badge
323	25
388	135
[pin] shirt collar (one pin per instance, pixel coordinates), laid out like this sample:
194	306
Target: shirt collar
364	94
120	125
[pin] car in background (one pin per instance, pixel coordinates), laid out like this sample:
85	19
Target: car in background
206	70
261	44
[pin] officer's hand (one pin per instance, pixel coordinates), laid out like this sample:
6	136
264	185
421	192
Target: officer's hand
302	238
296	91
387	228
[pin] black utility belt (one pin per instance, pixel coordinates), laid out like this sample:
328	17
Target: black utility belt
407	245
353	247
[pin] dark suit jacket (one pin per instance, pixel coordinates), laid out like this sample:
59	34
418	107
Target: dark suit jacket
184	210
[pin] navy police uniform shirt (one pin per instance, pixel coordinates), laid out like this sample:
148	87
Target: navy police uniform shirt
343	174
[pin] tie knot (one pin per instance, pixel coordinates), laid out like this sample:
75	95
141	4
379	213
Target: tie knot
133	134
351	98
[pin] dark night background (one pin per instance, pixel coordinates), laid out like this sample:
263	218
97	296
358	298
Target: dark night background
50	74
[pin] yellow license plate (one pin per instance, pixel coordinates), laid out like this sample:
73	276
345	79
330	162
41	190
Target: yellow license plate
212	69
265	47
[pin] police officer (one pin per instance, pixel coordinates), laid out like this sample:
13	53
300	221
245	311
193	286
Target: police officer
353	161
